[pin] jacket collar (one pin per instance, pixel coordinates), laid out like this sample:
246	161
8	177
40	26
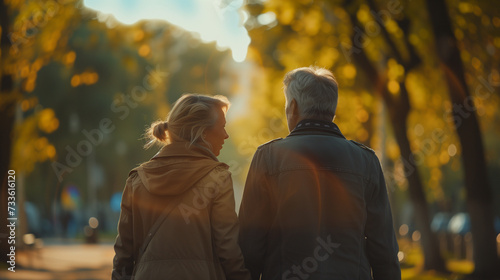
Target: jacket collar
310	126
176	168
184	149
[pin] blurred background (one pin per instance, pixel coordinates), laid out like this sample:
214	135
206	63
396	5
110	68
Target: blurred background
81	80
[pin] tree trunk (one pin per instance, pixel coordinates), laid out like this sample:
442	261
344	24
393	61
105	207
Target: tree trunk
479	193
399	108
7	115
430	246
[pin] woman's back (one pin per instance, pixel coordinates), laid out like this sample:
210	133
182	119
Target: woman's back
198	233
178	218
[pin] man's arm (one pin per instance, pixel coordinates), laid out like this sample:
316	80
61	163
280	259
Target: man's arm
255	215
381	244
123	262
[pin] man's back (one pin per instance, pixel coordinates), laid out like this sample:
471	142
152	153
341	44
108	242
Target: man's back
315	207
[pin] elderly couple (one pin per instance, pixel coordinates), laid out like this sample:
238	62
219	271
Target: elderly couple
315	204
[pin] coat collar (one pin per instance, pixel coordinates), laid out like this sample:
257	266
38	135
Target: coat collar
176	168
184	149
310	126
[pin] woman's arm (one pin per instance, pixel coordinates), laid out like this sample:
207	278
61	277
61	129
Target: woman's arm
123	262
225	228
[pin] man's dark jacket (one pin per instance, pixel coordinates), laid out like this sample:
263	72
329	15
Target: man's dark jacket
315	206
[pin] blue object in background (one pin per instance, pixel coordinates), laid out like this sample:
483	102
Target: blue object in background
459	224
115	201
440	222
70	198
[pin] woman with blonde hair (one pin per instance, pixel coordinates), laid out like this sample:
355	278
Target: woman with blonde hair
178	217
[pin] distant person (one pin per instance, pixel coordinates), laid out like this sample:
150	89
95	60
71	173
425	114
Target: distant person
315	205
181	202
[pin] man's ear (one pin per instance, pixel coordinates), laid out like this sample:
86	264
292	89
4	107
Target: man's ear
294	108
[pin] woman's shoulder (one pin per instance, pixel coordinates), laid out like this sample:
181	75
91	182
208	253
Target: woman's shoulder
221	168
220	171
220	175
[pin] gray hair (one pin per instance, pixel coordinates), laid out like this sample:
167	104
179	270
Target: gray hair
191	115
314	89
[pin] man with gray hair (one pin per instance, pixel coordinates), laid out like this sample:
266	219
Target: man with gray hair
315	205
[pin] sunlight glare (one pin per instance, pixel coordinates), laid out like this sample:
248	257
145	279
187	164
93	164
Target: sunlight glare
214	20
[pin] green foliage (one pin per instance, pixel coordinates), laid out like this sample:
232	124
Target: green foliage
319	33
86	91
72	71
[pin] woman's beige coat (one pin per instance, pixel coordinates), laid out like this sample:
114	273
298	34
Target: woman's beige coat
198	239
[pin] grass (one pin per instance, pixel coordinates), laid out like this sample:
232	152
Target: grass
412	265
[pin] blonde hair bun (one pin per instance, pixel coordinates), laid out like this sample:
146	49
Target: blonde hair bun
159	130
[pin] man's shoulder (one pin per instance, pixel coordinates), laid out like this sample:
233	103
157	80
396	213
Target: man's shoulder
269	143
363	146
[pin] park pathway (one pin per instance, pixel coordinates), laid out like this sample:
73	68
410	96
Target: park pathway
64	262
